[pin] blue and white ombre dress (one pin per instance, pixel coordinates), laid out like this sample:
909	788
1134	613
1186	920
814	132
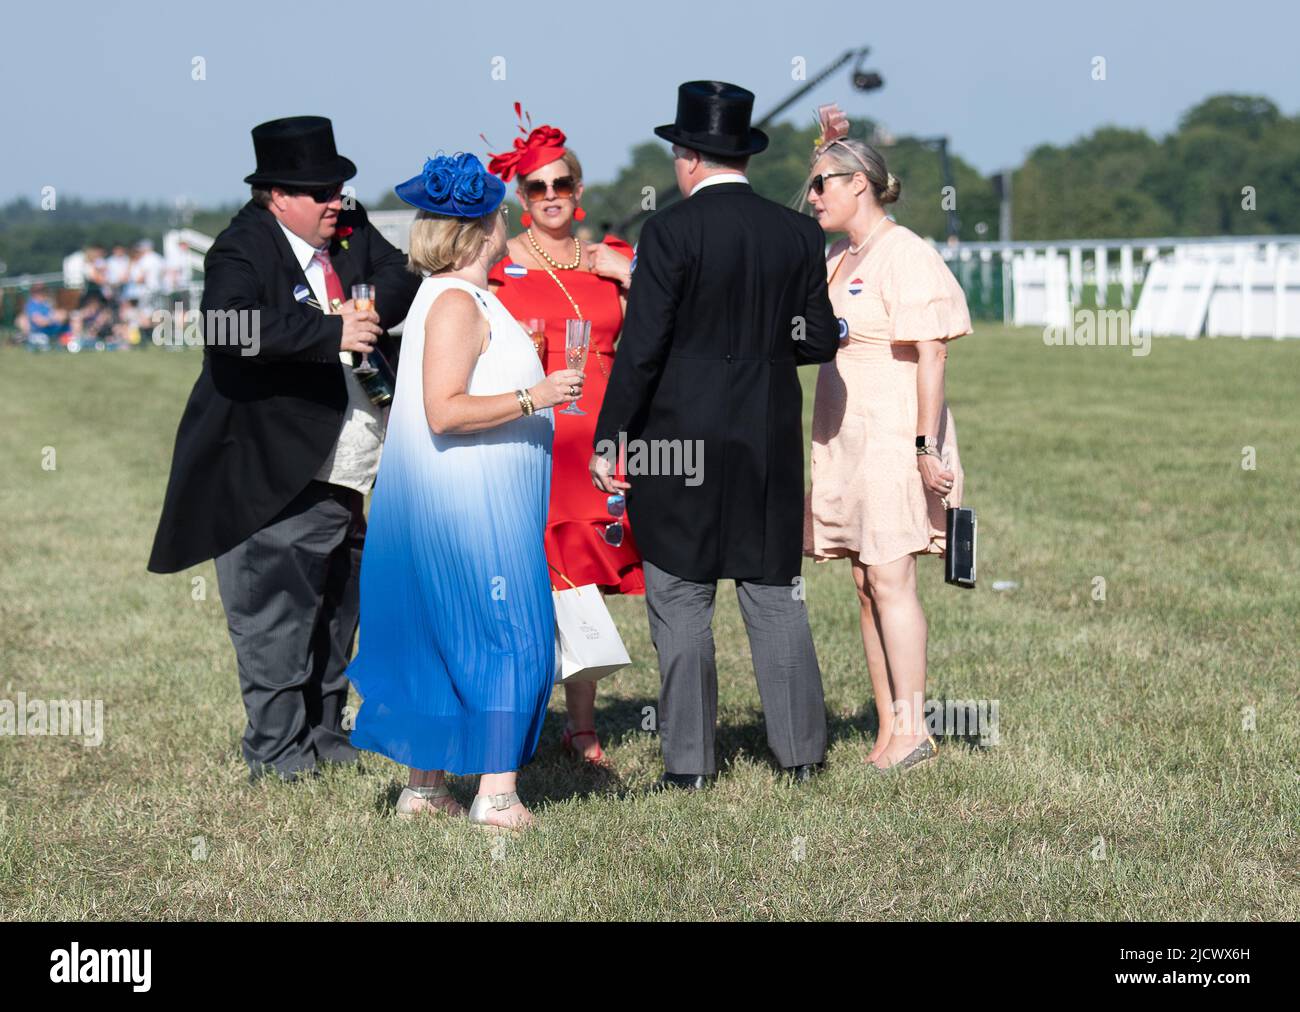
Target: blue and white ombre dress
457	635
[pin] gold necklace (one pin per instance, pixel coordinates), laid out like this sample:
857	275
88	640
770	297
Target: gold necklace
577	252
600	359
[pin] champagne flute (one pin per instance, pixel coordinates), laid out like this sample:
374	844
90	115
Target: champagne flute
375	375
535	327
577	338
363	297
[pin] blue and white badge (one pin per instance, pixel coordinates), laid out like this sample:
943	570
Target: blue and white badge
301	293
632	266
515	270
844	327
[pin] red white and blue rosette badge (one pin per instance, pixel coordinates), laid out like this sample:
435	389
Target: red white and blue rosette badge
453	185
855	286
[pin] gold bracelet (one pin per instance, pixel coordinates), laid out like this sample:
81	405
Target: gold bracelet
927	451
525	402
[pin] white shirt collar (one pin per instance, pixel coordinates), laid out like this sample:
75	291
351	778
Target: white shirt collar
302	249
721	177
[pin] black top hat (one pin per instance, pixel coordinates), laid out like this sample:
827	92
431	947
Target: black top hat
298	150
713	117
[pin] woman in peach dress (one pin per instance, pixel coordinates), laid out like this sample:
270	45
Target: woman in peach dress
884	448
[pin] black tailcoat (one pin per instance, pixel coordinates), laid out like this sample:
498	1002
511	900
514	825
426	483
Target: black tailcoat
257	428
728	298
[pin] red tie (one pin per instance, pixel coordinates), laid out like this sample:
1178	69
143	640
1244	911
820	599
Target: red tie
333	286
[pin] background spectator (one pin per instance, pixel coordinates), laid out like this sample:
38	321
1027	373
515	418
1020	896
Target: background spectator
43	323
144	278
74	269
117	267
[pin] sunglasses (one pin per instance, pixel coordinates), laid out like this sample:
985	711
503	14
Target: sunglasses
818	184
320	194
535	189
617	506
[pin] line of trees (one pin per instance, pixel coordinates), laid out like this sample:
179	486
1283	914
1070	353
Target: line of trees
35	241
1232	167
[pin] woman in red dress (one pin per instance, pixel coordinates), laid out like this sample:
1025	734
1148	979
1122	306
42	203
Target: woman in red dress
550	274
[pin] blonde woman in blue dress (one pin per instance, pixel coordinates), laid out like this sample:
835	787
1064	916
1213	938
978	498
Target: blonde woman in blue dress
457	640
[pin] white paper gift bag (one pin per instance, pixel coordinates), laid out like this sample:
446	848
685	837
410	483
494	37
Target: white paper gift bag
589	646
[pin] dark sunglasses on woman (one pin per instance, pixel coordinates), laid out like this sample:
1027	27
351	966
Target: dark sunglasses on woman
563	187
818	184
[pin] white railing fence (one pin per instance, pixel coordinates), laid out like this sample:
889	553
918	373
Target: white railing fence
1219	286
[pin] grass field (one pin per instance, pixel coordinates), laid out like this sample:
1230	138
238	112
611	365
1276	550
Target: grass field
1146	764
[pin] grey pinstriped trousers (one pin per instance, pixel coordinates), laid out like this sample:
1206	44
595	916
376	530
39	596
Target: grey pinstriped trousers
292	599
785	665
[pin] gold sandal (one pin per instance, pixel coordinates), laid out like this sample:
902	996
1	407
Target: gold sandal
408	804
923	753
483	803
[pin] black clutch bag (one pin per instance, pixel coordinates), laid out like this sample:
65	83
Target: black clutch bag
959	561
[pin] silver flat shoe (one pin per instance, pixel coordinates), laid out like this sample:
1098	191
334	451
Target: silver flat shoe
407	807
484	803
923	753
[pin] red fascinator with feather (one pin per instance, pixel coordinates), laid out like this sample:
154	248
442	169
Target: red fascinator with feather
530	152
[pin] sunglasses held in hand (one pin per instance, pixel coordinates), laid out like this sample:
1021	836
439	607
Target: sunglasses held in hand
617	506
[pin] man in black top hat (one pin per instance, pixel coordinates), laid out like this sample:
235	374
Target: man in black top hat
279	442
728	299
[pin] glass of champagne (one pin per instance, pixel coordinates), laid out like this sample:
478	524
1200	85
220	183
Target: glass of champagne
374	374
577	337
535	328
363	297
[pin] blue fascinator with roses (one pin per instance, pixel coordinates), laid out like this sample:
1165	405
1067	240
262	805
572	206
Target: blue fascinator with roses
454	185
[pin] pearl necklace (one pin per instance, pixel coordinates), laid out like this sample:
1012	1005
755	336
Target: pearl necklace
577	253
863	245
845	255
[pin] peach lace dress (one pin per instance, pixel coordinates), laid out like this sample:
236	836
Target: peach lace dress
867	498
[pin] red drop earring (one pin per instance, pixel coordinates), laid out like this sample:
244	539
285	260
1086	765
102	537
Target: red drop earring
579	214
526	220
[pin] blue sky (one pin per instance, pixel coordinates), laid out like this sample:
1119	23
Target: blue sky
100	100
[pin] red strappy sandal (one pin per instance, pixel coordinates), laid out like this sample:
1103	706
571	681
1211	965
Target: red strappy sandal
567	742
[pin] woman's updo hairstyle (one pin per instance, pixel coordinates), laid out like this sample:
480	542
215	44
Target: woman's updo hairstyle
849	154
442	243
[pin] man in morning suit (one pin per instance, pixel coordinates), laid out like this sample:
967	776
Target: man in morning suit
279	443
728	299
